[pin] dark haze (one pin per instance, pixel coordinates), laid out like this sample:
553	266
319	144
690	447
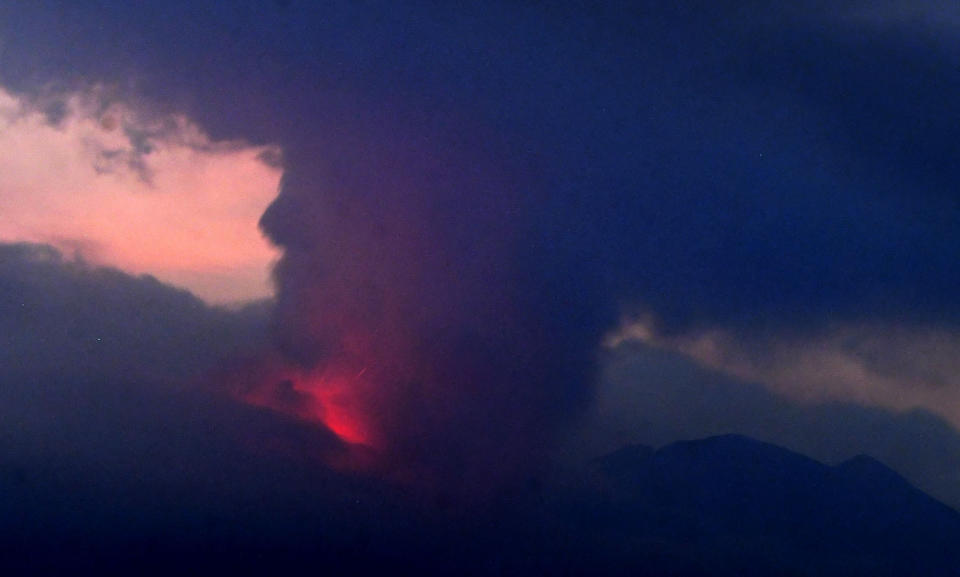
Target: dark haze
473	196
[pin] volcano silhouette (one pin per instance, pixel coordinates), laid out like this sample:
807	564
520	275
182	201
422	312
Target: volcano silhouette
731	505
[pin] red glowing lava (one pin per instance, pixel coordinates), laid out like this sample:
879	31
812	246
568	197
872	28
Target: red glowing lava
337	407
329	397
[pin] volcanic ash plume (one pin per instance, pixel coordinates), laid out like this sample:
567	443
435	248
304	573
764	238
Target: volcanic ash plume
416	317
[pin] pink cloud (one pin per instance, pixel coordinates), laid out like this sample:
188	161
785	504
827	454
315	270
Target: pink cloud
150	195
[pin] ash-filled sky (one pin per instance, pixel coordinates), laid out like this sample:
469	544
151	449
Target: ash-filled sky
477	236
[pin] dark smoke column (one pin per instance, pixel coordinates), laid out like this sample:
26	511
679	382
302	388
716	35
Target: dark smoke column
419	265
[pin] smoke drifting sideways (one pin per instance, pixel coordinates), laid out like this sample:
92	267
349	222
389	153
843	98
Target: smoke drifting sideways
416	314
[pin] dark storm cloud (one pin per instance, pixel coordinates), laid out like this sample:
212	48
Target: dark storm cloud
98	365
62	319
483	188
95	364
732	162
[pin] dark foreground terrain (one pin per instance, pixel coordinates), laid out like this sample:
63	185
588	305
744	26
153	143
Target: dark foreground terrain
725	505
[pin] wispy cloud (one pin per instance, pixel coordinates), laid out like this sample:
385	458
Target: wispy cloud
898	367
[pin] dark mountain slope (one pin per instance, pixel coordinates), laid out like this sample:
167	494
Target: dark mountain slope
733	505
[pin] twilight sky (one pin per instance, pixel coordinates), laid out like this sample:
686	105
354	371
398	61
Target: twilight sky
493	228
109	184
